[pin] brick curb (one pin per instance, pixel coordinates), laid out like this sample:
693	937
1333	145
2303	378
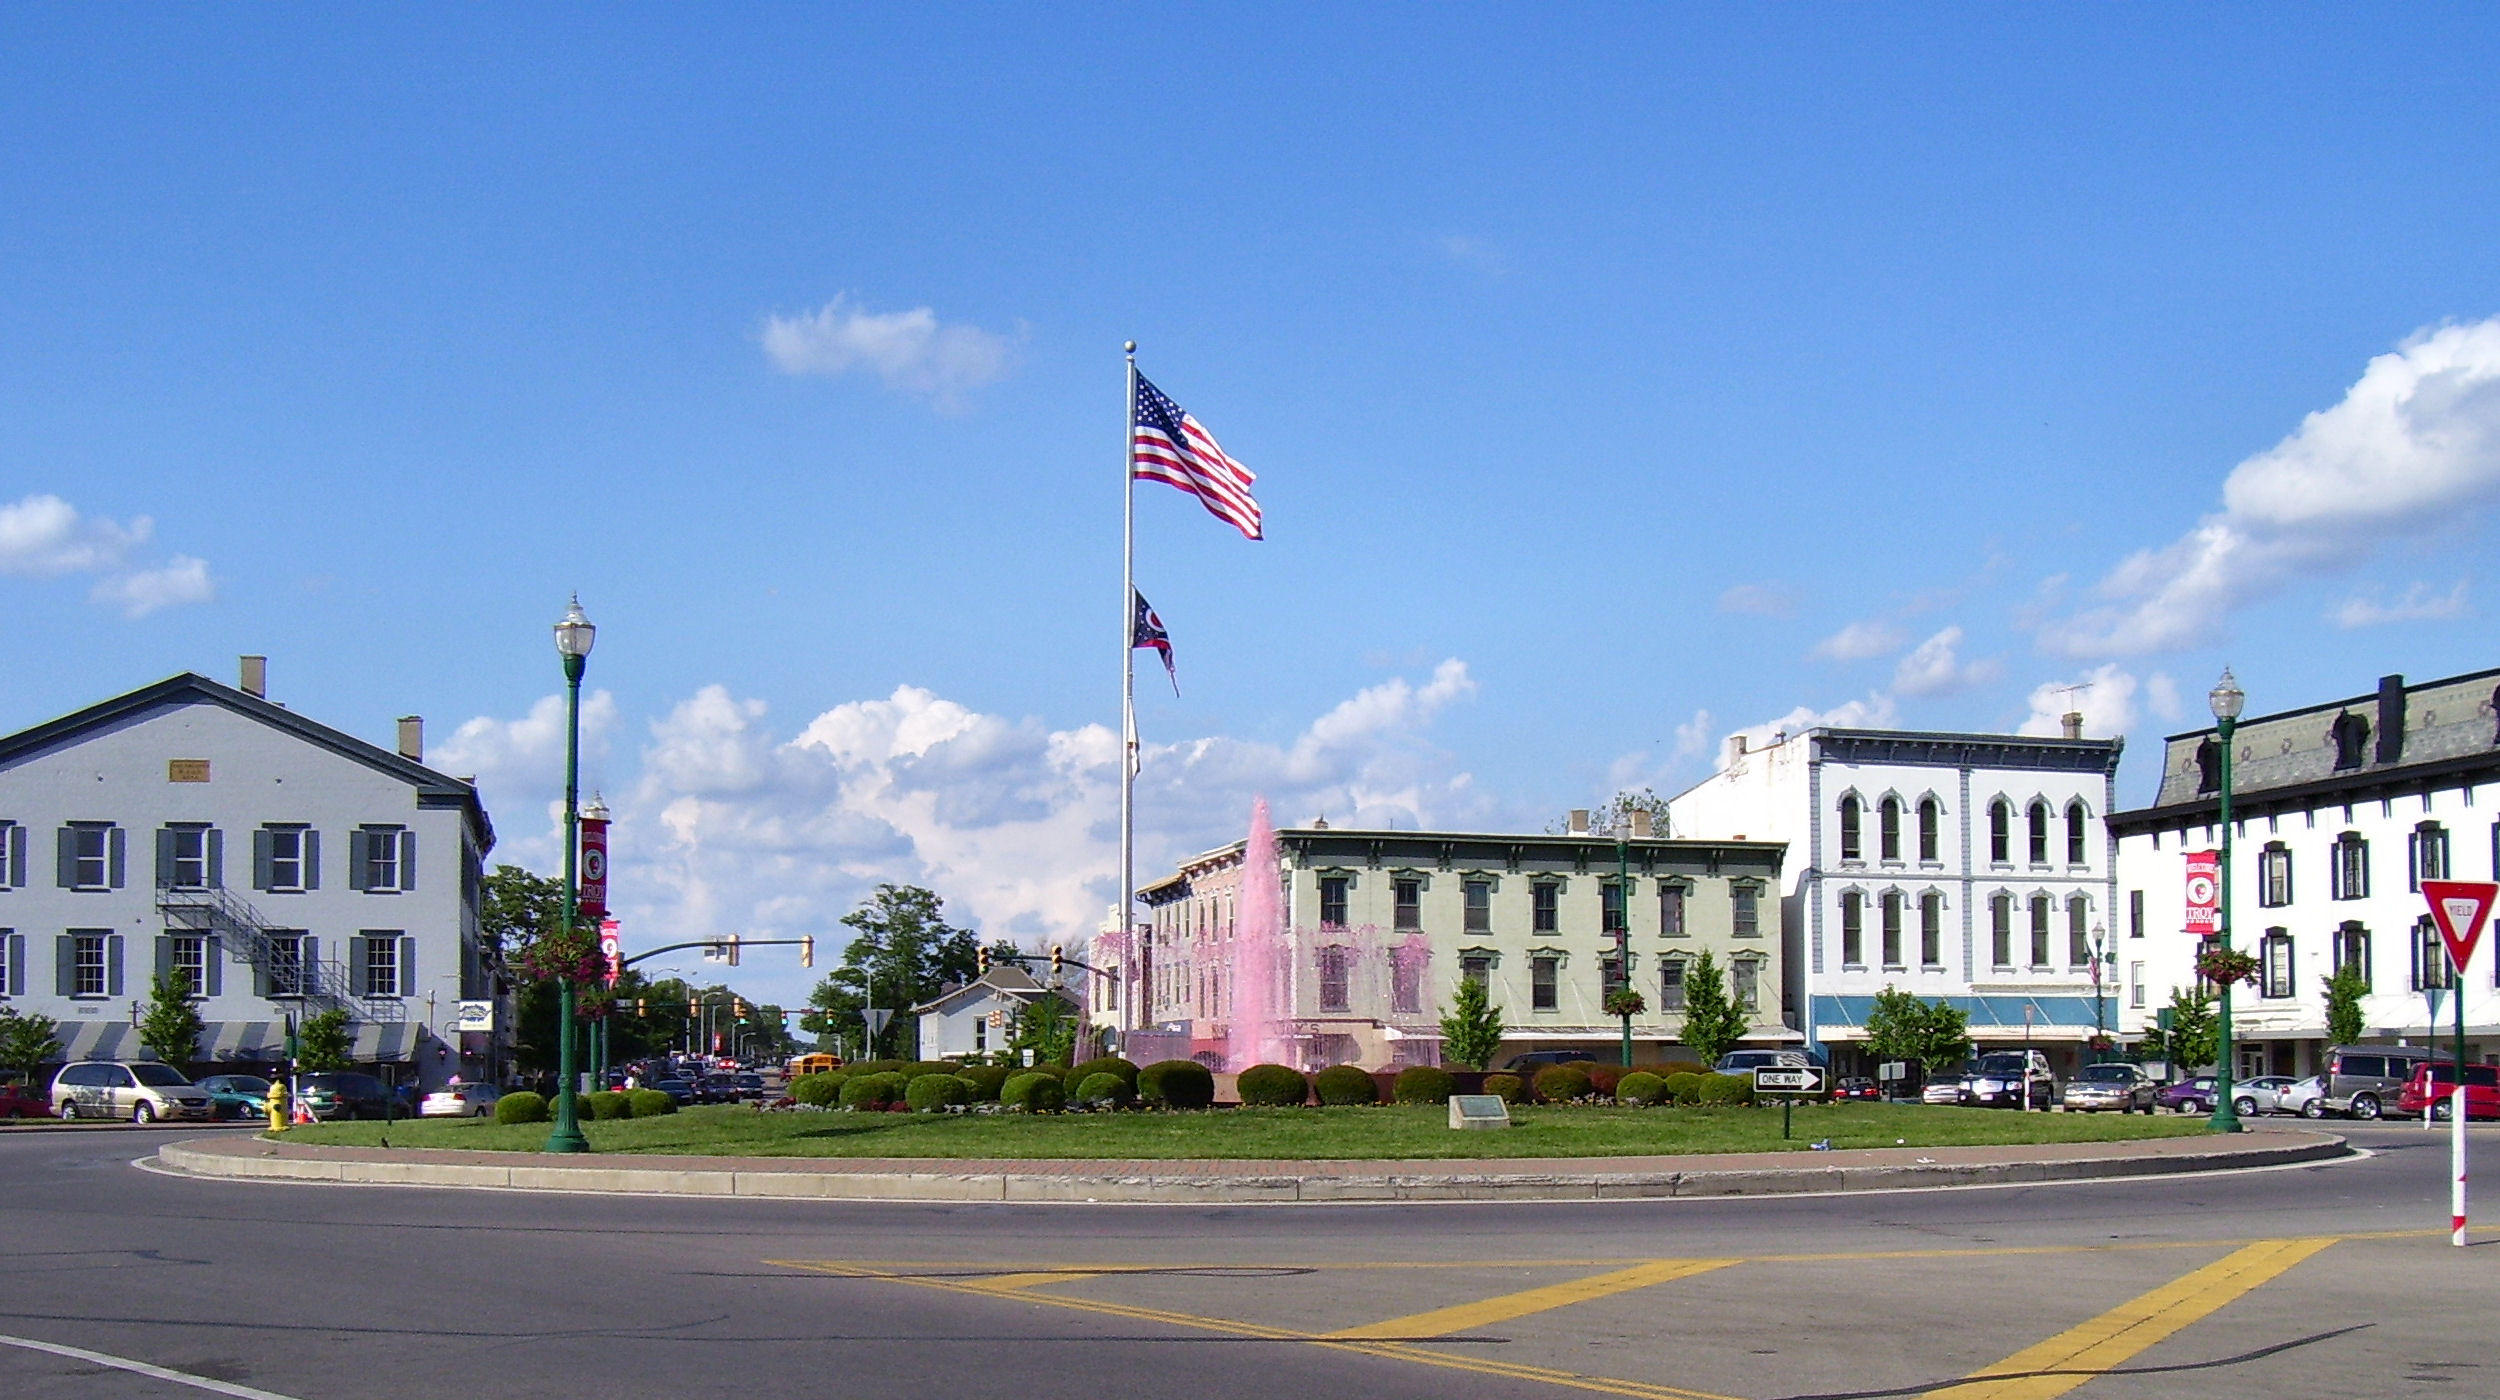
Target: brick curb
1203	1182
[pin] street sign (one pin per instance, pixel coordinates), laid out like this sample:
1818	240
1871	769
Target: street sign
2460	908
1893	1069
1787	1080
876	1017
473	1016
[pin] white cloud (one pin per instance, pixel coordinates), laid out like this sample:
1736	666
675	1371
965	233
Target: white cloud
1934	669
139	592
1861	641
1876	711
2415	442
2419	604
44	536
528	751
2107	697
1759	599
910	350
1693	737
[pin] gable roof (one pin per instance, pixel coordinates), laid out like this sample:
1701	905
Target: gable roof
1005	981
434	789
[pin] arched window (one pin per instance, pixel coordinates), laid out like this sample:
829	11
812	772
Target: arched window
2000	832
2001	931
2077	823
1892	909
1849	847
1930	829
2039	833
2078	931
2041	907
1931	929
1852	929
1888	829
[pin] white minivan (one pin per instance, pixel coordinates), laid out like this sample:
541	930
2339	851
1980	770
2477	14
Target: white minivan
142	1092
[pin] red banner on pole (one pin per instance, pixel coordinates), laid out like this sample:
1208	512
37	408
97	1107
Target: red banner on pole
592	899
2204	893
2460	908
612	949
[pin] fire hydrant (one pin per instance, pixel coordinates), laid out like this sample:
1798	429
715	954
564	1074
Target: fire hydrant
277	1106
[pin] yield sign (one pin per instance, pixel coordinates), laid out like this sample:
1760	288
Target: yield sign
2460	908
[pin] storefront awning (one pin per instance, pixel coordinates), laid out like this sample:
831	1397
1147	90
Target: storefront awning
1991	1017
232	1042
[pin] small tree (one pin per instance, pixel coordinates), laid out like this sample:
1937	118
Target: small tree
1046	1027
171	1027
26	1041
323	1042
2195	1033
1945	1041
1471	1032
1713	1022
2344	990
1902	1027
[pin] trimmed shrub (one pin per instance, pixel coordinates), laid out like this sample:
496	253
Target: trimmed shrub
1641	1089
1509	1088
649	1103
1341	1086
1273	1086
1103	1087
1177	1084
878	1066
1034	1093
1684	1087
816	1090
521	1107
873	1091
1603	1079
1106	1064
917	1068
607	1103
1724	1089
935	1093
1563	1083
1672	1068
1424	1084
986	1081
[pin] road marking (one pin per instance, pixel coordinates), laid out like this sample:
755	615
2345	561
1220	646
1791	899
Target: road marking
1008	1283
142	1368
1466	1317
2079	1354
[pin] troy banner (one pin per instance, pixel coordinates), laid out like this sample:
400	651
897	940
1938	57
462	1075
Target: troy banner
2204	893
593	898
612	949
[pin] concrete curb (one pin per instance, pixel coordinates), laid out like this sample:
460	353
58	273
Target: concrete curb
1561	1179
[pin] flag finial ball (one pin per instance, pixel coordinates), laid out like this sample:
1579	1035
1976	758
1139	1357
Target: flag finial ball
1130	347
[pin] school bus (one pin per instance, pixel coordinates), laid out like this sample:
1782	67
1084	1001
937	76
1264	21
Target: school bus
813	1064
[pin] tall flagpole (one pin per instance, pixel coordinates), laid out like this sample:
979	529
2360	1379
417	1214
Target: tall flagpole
1129	964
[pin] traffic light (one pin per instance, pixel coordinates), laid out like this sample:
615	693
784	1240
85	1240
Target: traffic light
985	960
640	1008
694	1008
733	950
1058	961
807	951
737	1008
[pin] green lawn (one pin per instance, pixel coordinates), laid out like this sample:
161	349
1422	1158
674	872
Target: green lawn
1278	1133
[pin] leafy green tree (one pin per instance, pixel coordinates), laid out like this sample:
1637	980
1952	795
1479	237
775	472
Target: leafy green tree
1471	1032
1713	1022
324	1042
1047	1027
2195	1034
27	1041
170	1028
904	955
2344	991
1902	1026
1946	1042
520	908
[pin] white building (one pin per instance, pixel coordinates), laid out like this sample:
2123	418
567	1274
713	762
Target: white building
2339	812
978	1017
1970	867
280	866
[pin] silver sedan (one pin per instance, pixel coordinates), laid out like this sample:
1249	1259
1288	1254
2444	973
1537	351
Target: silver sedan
2263	1094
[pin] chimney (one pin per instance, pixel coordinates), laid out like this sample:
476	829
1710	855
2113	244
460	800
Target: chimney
256	677
1640	824
1579	821
2073	720
2391	719
412	738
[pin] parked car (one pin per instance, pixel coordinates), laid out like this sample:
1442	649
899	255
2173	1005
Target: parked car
2306	1097
142	1092
2194	1095
18	1101
460	1101
2361	1080
237	1095
1747	1061
1942	1091
2263	1094
749	1086
1856	1086
2434	1086
328	1094
2100	1088
2009	1079
677	1089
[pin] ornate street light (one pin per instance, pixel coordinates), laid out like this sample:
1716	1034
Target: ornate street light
2227	701
574	635
2100	1019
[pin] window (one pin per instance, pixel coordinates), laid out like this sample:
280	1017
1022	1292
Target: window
286	859
1670	909
2078	823
2000	833
2352	950
1931	929
2350	734
2001	931
13	855
1671	984
1888	829
2430	957
2038	831
2078	932
1852	929
12	963
2135	913
1544	898
1610	906
2208	767
1849	849
2429	854
1476	967
1610	978
1746	975
2352	867
383	859
2135	985
1541	983
188	856
1892	905
1479	902
186	956
2274	965
1406	983
1332	901
1409	901
1332	979
1930	826
284	976
2274	875
90	964
383	963
90	856
1748	900
2040	930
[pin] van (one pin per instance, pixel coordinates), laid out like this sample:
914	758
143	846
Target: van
2434	1086
2364	1080
142	1092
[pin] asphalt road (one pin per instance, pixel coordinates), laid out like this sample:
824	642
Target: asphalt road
2320	1281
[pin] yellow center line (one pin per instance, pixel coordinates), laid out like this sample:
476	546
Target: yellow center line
2080	1353
1003	1283
1466	1317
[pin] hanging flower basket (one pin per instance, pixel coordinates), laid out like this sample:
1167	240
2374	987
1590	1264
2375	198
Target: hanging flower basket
2225	966
2101	1044
1625	1003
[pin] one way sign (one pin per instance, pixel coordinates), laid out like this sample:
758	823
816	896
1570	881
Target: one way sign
2460	908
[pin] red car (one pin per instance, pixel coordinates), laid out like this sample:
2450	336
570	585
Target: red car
2434	1086
1857	1087
16	1103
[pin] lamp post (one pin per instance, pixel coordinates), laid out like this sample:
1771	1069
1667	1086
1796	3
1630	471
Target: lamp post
1623	921
2227	700
2100	1019
573	637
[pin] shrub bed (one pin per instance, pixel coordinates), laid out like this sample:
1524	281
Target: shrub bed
1641	1089
1725	1089
607	1103
521	1107
872	1092
935	1093
1103	1089
1034	1093
1509	1088
1563	1083
649	1103
1603	1079
918	1068
986	1081
1684	1087
1424	1084
1273	1086
1344	1086
1107	1064
822	1090
1177	1084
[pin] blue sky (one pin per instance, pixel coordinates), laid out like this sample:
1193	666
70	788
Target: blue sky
1617	378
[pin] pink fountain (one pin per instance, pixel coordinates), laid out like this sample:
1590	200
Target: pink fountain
1262	959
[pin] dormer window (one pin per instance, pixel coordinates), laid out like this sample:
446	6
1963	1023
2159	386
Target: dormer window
2209	767
2351	736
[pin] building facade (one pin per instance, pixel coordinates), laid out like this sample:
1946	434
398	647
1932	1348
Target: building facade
2339	812
1969	867
1378	927
978	1017
282	868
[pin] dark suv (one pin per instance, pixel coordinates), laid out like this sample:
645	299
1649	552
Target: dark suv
344	1094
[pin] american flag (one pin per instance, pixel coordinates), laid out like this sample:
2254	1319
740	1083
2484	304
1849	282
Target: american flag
1169	446
1146	630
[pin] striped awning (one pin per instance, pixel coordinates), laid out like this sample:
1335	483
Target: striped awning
1991	1017
234	1042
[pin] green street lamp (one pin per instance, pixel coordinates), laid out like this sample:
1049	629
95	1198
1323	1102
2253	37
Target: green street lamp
2227	701
1623	922
573	637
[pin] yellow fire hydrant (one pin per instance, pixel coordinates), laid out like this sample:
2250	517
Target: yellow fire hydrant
277	1105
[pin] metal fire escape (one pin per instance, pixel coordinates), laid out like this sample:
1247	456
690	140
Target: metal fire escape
319	984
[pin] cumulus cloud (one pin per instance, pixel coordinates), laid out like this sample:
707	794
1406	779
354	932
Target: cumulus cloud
1933	668
1693	736
910	351
2414	442
1861	641
139	592
528	751
2107	695
2420	603
1758	599
44	536
1876	711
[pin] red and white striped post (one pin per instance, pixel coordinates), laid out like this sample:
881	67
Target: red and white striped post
2459	909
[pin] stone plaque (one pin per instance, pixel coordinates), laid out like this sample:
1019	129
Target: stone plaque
186	770
1478	1111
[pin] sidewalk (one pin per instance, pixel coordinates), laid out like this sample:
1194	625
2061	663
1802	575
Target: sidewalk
1210	1182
